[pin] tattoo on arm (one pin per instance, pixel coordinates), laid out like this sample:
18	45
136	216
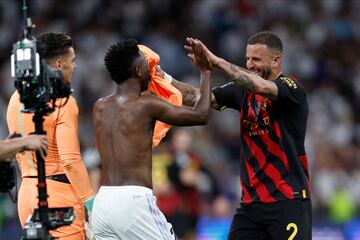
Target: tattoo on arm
239	76
271	92
188	92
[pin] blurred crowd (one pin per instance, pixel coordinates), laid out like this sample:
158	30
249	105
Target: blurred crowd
196	170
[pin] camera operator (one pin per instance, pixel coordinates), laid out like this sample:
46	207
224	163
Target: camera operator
68	183
10	146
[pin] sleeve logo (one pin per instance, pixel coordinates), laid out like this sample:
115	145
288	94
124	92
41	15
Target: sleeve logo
291	83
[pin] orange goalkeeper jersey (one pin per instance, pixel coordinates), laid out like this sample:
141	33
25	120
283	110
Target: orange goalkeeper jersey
63	156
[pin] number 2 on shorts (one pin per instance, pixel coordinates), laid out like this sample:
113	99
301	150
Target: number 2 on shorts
293	234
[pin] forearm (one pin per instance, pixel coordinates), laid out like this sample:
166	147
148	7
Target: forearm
79	178
69	151
10	147
188	92
247	80
202	105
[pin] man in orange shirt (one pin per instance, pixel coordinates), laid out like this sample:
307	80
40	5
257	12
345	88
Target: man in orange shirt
68	182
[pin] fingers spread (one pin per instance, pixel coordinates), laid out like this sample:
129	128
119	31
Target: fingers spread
191	56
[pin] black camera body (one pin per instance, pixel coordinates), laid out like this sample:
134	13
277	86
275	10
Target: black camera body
38	83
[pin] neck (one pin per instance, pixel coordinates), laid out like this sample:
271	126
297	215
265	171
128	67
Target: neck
129	87
275	75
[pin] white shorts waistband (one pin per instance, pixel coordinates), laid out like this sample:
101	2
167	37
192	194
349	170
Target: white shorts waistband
129	188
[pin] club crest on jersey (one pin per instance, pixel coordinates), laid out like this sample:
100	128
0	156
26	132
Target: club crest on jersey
291	83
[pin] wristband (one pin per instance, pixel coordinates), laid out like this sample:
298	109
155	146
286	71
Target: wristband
89	203
168	77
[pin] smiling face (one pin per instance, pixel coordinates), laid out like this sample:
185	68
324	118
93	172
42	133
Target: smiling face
263	61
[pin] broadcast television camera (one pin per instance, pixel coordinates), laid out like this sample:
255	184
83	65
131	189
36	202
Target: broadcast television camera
39	85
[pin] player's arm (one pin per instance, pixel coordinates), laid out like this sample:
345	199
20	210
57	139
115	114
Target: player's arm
189	93
69	150
247	80
243	78
9	147
184	115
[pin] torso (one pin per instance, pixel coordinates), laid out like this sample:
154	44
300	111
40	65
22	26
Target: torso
273	159
124	137
22	123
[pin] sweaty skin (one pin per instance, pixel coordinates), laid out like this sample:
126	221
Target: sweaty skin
126	155
124	123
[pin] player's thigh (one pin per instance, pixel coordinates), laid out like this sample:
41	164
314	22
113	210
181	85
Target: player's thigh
294	222
244	227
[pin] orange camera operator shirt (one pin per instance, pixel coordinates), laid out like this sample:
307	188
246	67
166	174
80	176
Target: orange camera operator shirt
63	155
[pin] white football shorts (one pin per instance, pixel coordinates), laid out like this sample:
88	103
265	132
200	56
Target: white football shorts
129	212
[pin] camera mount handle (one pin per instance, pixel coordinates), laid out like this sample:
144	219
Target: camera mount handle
38	119
27	21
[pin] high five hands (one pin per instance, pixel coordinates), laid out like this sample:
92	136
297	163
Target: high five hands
199	54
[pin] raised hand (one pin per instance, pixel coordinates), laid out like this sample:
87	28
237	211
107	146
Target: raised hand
198	54
212	57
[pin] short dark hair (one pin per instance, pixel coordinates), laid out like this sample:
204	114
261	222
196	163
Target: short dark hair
268	38
119	59
53	44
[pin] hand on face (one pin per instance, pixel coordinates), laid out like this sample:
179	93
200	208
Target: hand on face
159	72
199	54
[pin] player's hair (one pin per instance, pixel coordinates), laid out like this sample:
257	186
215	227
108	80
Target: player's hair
53	44
119	59
268	38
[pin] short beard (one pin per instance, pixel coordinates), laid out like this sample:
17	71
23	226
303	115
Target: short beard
267	72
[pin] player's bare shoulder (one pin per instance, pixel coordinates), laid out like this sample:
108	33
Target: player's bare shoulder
152	102
101	102
101	105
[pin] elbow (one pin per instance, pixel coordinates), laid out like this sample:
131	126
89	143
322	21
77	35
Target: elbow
204	117
260	89
71	163
266	88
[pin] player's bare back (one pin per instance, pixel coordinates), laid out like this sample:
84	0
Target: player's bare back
124	130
